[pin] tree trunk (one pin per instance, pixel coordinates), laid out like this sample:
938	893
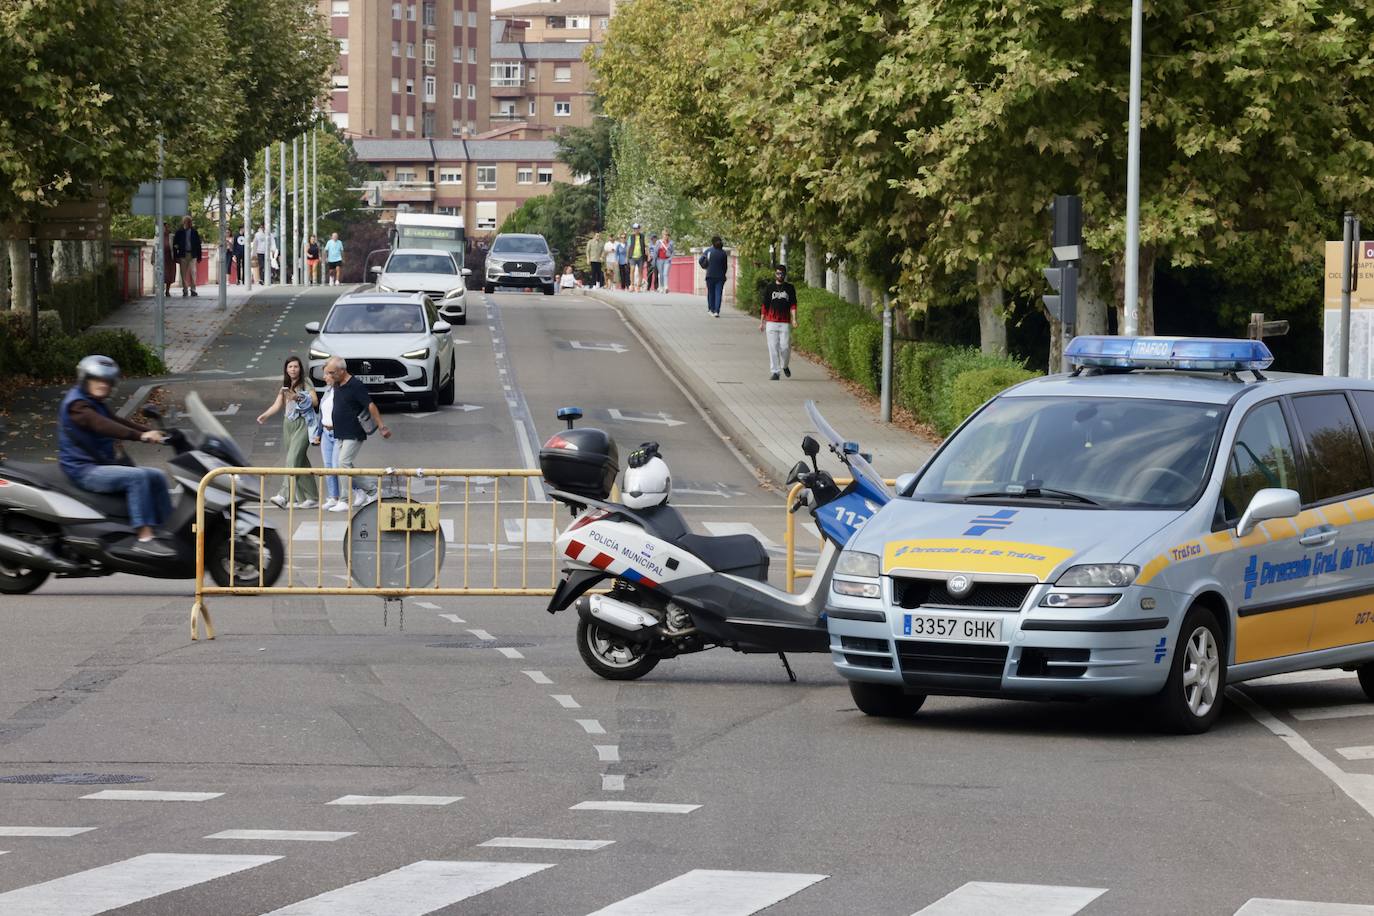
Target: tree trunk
866	297
1094	292
4	279
1147	291
992	324
66	261
849	288
20	281
832	279
814	274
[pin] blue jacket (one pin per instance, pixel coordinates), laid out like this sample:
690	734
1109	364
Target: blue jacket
716	262
79	449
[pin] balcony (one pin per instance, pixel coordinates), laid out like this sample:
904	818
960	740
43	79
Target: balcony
514	91
404	191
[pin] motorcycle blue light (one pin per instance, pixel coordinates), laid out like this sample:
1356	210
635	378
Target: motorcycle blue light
1214	354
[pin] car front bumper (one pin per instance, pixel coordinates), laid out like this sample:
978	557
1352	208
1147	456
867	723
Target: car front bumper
400	379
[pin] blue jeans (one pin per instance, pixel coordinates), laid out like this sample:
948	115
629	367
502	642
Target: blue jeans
144	488
329	450
663	265
714	286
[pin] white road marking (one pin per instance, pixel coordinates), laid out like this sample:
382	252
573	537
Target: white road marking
303	836
591	726
538	677
1333	712
635	807
1359	786
612	782
44	831
706	892
984	898
531	530
721	528
483	635
527	842
1356	753
1304	677
812	530
109	887
453	618
396	800
150	795
565	700
1260	906
510	653
607	753
418	888
427	605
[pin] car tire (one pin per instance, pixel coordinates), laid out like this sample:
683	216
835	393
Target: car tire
488	289
885	701
549	289
610	656
461	319
1191	700
1366	675
449	388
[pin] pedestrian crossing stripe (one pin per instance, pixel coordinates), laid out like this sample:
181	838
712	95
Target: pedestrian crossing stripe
416	889
720	893
984	898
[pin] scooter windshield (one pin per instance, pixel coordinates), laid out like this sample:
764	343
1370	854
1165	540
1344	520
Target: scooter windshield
214	438
856	462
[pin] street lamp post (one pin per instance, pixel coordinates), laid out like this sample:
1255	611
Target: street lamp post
1132	304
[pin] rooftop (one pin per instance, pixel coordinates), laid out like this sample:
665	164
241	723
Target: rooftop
565	8
370	150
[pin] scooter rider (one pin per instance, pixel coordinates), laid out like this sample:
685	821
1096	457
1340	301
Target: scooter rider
86	435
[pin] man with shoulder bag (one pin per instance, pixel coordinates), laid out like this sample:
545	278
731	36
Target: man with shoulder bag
355	417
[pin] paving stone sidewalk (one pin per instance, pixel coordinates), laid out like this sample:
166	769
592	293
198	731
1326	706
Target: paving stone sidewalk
724	363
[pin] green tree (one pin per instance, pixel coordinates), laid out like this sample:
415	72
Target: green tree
565	216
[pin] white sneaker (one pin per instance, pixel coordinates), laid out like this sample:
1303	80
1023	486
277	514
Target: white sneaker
279	501
362	498
306	504
337	505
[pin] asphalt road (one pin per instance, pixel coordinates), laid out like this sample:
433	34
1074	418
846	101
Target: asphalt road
438	768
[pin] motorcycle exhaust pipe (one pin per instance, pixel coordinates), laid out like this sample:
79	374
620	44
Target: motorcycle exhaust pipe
33	556
618	614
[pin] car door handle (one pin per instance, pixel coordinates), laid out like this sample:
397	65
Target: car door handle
1319	536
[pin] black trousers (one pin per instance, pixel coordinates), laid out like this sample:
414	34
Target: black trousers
597	278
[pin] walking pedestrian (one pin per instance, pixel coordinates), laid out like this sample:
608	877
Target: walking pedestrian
651	265
186	248
663	258
612	264
622	262
261	243
716	263
333	258
777	318
329	449
169	261
240	265
595	253
312	261
638	252
300	426
352	405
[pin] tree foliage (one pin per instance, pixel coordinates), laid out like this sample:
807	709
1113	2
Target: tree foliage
563	217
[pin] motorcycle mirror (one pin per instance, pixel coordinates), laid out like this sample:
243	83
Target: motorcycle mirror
798	470
866	456
810	447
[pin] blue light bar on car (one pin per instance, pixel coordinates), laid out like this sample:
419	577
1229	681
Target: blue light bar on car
1216	354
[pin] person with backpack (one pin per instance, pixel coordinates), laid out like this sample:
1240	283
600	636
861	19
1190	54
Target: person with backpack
716	263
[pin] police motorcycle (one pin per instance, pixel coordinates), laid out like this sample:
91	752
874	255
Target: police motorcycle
673	591
50	526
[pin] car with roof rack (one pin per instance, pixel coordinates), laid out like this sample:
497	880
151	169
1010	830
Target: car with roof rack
1166	519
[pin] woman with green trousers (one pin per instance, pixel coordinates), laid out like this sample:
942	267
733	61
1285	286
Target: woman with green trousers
300	427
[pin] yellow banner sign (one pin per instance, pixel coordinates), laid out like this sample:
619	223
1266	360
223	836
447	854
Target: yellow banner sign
973	555
408	516
1363	295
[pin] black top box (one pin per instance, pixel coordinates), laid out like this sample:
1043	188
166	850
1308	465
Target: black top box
582	461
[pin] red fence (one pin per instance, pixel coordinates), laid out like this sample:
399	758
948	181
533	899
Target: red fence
680	274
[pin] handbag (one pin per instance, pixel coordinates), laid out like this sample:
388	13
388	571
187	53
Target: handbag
365	420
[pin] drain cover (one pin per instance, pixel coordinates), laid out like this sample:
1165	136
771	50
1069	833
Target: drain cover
480	644
76	779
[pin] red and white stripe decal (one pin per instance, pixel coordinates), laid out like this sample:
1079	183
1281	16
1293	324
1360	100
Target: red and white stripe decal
574	548
602	560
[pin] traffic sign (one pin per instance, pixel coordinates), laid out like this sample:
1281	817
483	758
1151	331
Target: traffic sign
70	230
176	198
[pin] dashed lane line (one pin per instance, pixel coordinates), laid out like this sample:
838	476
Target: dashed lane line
565	700
483	635
508	652
528	842
430	800
1261	906
453	618
607	753
150	795
612	782
538	677
591	726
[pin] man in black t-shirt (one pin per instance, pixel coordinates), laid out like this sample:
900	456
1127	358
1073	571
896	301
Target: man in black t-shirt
351	399
777	318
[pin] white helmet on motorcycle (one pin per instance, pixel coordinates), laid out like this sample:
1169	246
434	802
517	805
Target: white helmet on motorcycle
97	367
648	482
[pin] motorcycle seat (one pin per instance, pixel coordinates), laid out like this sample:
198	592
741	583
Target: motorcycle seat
665	522
738	554
52	477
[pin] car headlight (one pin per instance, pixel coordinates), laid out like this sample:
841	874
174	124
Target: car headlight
383	288
422	353
545	269
454	293
318	354
1099	575
857	563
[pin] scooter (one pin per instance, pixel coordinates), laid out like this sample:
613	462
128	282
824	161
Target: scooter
50	526
674	592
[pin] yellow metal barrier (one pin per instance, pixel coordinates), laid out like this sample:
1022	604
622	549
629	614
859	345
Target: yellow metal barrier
419	516
790	531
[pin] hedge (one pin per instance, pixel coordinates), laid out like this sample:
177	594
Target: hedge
84	301
58	353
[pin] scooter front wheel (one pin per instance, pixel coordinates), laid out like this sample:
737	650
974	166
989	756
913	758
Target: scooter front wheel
245	566
611	655
17	580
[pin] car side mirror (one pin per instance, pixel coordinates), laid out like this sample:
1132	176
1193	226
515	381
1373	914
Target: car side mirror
441	327
467	271
810	447
906	484
376	270
312	327
1271	502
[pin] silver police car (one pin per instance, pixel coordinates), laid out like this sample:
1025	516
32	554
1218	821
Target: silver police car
1163	521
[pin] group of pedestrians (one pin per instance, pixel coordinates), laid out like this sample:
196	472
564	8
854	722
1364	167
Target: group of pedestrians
630	262
338	422
265	257
181	252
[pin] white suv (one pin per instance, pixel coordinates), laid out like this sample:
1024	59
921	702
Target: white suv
437	274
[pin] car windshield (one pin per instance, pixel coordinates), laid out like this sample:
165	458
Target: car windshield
519	245
375	318
420	264
1120	453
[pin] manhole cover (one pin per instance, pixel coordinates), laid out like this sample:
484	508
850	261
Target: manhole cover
480	644
77	779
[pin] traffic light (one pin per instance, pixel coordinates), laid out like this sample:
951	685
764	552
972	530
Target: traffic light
1066	210
1066	213
1064	281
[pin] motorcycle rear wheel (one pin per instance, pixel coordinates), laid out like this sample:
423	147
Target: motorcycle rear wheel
611	655
245	559
16	580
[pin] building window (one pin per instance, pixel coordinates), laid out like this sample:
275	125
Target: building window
410	124
340	120
340	80
405	176
448	211
450	176
429	52
431	88
395	49
427	124
338	8
486	214
579	22
603	23
457	90
410	11
507	73
524	176
562	109
508	109
429	15
396	123
395	84
472	55
472	20
410	49
343	45
410	87
555	22
472	90
395	11
457	54
533	105
562	73
486	178
546	176
457	129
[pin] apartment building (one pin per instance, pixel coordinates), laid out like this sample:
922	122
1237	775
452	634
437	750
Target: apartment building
561	20
411	69
484	181
543	84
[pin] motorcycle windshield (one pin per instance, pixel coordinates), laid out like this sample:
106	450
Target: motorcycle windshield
214	438
856	462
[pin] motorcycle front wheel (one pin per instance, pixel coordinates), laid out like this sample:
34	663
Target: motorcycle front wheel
245	567
611	655
17	580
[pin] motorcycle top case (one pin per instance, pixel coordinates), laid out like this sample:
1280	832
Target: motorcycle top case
583	461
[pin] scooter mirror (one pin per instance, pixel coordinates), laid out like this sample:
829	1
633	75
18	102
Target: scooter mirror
152	411
810	447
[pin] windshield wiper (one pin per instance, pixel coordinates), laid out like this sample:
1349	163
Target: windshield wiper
1037	493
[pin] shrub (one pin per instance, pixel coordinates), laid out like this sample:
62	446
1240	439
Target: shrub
83	301
866	354
58	353
835	339
970	389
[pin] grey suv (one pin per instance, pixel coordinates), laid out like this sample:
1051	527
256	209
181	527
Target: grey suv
520	260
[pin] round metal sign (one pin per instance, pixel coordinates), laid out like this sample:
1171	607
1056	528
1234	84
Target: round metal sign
406	538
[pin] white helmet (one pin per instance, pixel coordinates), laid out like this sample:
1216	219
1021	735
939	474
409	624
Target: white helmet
648	482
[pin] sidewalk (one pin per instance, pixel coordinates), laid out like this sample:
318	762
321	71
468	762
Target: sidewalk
723	362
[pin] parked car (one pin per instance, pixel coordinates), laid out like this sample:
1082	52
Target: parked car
437	274
396	343
521	260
